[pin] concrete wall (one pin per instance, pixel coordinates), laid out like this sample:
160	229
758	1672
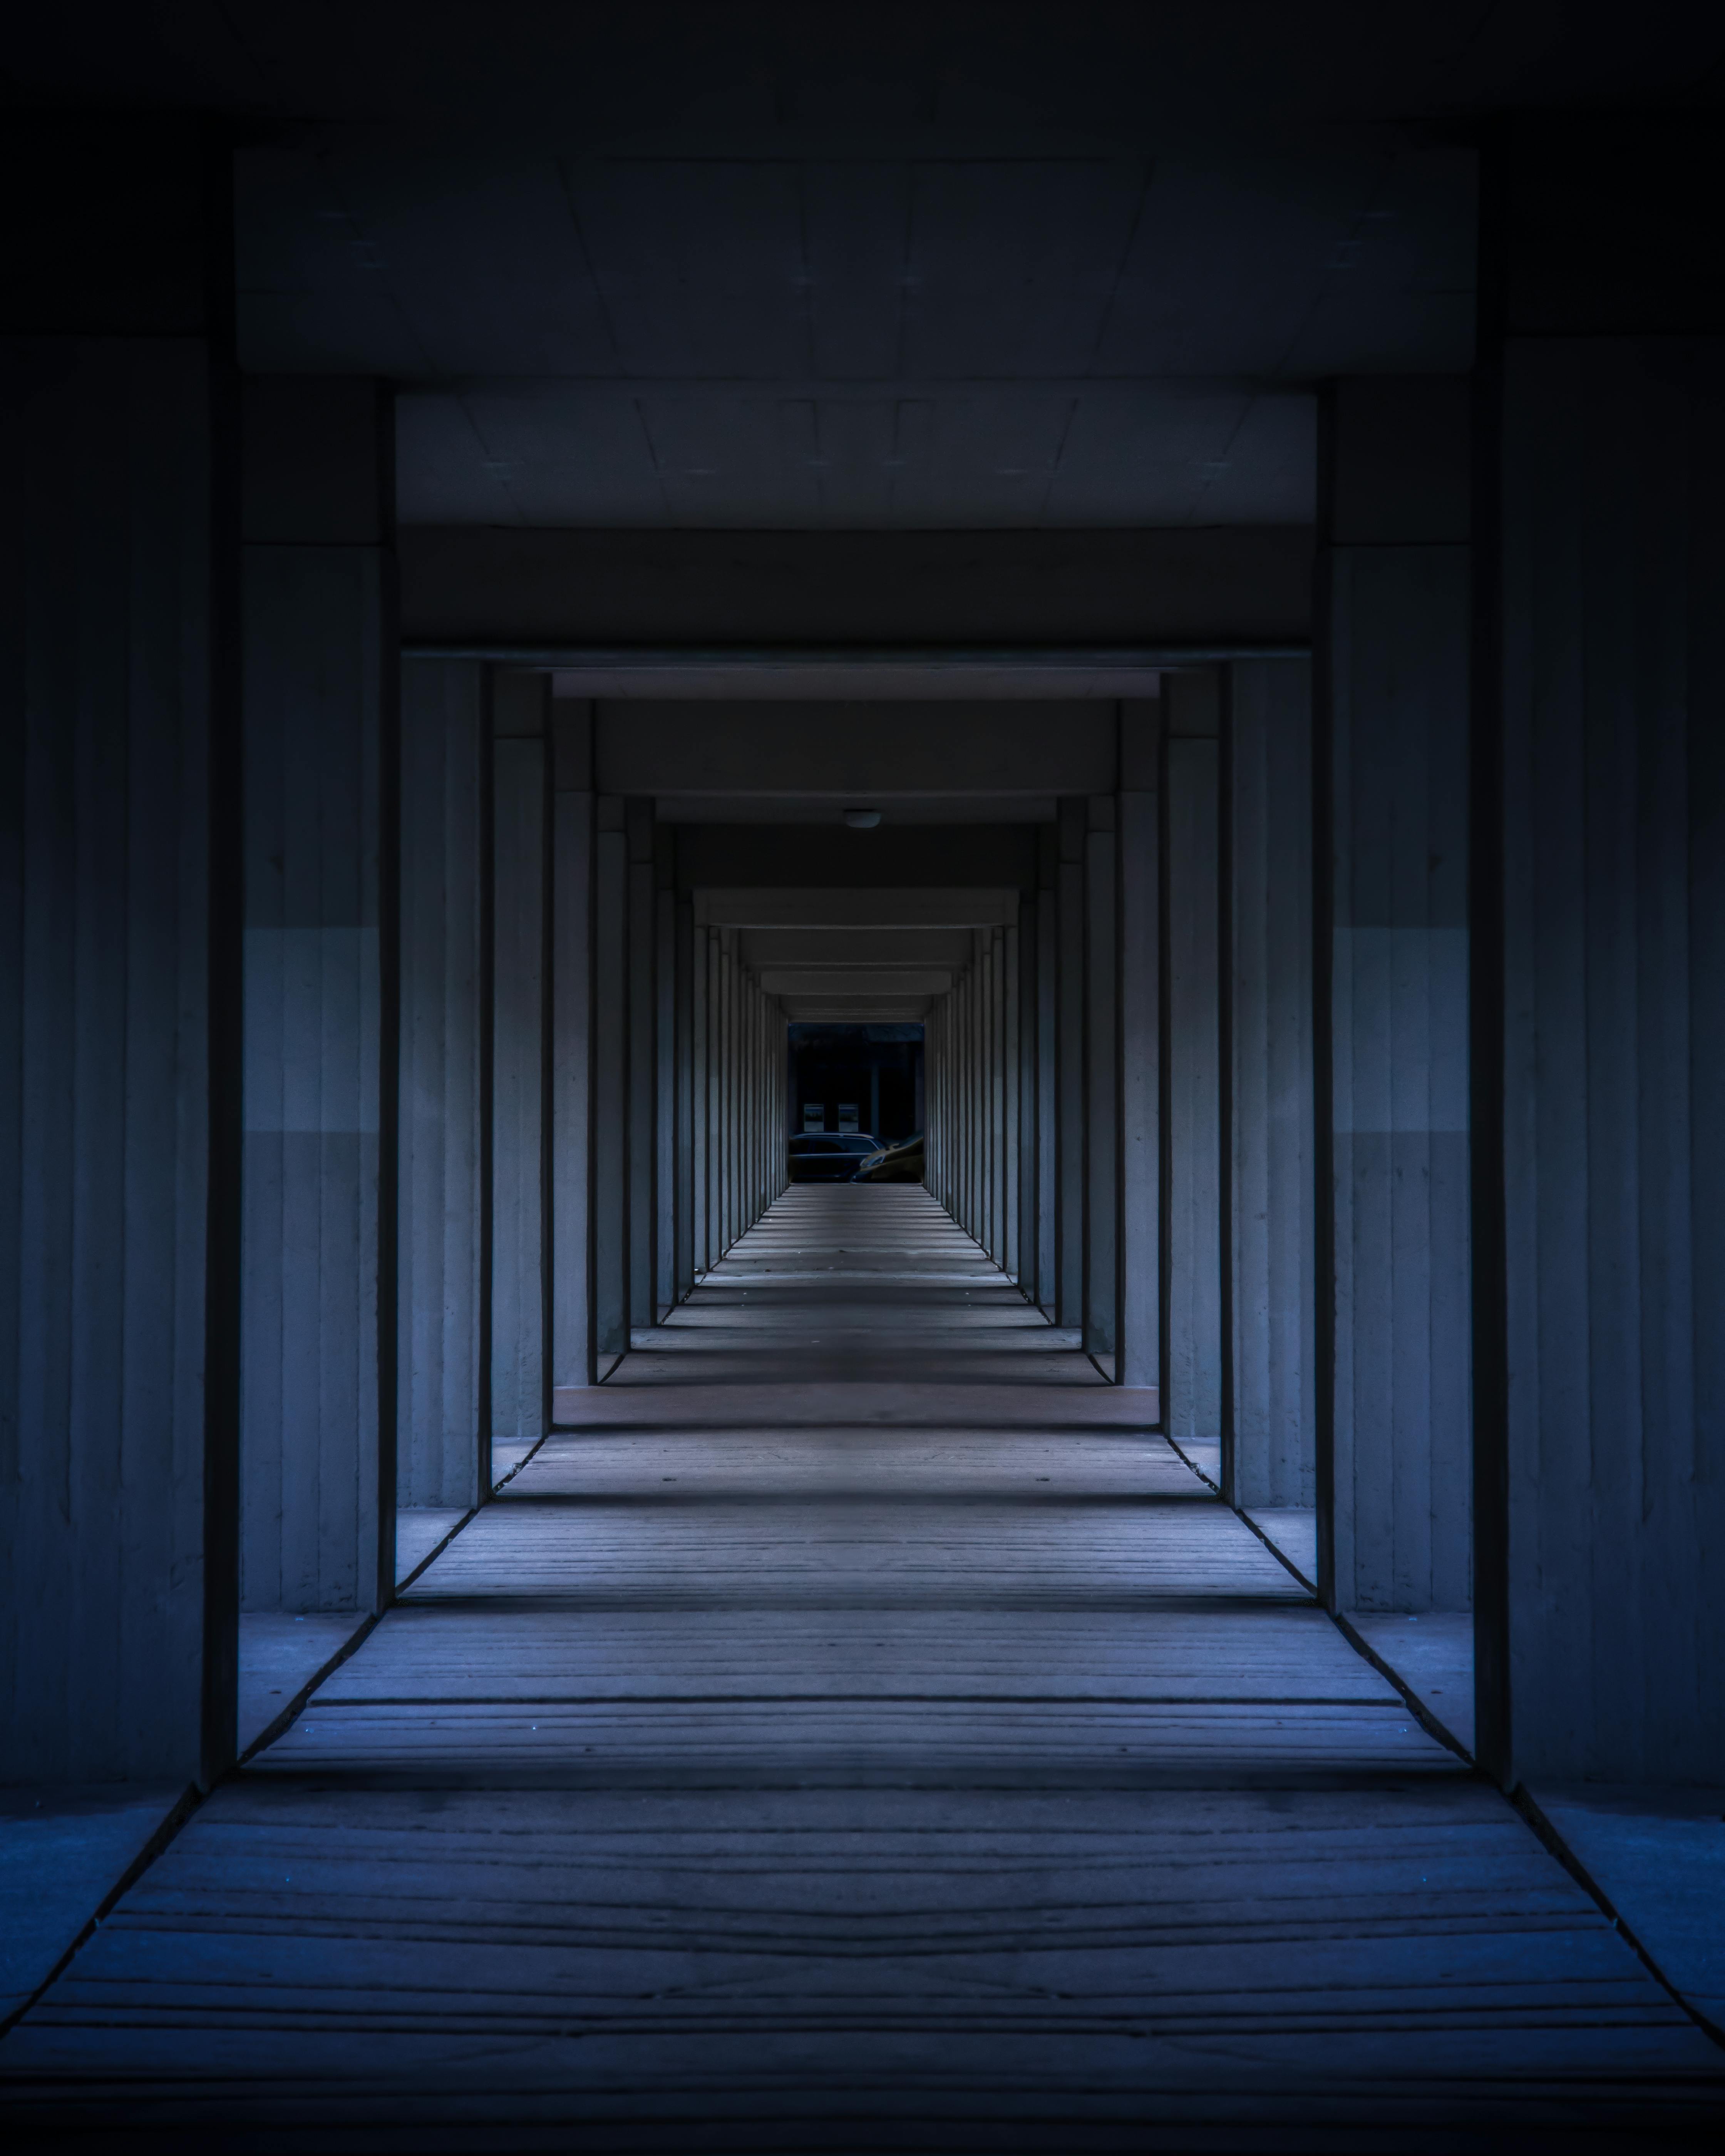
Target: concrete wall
610	1186
570	1179
115	614
1600	984
1394	773
1269	1454
318	1278
520	1258
1141	1045
547	587
1101	1082
443	1373
1606	1555
1192	1082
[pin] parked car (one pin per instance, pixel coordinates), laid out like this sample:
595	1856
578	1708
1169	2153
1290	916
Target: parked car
822	1157
895	1163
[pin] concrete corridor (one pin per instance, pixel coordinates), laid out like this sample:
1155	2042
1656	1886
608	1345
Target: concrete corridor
857	1735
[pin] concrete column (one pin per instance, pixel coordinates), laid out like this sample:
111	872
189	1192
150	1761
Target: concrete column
442	1352
1024	1133
610	1093
120	955
977	1023
1192	1192
934	1131
698	1091
1070	1102
319	1271
664	1054
1598	1039
685	1197
521	1267
642	1062
1139	1348
1047	1103
714	1102
574	1186
1011	1256
1269	1418
1102	1285
728	1092
976	1147
997	1097
1393	1400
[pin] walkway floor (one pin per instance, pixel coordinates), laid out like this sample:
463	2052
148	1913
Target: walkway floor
859	1735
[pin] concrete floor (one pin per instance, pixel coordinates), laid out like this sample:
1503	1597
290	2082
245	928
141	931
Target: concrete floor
858	1734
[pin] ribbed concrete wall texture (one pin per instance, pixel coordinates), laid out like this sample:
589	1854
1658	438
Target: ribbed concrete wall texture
445	805
1192	1080
1395	764
1614	1023
521	1273
109	693
1269	1454
316	671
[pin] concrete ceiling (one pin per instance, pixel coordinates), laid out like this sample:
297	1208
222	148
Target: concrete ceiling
776	341
882	960
960	265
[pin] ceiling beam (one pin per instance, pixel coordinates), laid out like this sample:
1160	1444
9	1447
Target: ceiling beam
890	907
857	1010
846	980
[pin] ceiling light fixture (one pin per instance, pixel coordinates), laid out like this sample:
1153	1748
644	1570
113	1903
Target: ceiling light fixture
862	819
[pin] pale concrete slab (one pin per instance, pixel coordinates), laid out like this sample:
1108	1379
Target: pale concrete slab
417	1532
64	1850
1658	1856
280	1655
1432	1654
1292	1532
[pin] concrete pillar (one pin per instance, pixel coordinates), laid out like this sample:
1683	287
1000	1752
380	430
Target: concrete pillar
1047	1039
1269	1371
321	1005
1599	1006
997	1097
1027	1265
686	1194
120	955
1102	989
1070	1102
1393	1402
1192	1264
520	1271
1011	1136
610	1085
714	1083
1139	1346
641	1022
442	1334
935	1129
664	1056
698	1092
728	1091
574	1185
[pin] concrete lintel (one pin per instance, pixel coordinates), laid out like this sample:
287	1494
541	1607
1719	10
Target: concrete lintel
855	981
959	907
945	947
856	1010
